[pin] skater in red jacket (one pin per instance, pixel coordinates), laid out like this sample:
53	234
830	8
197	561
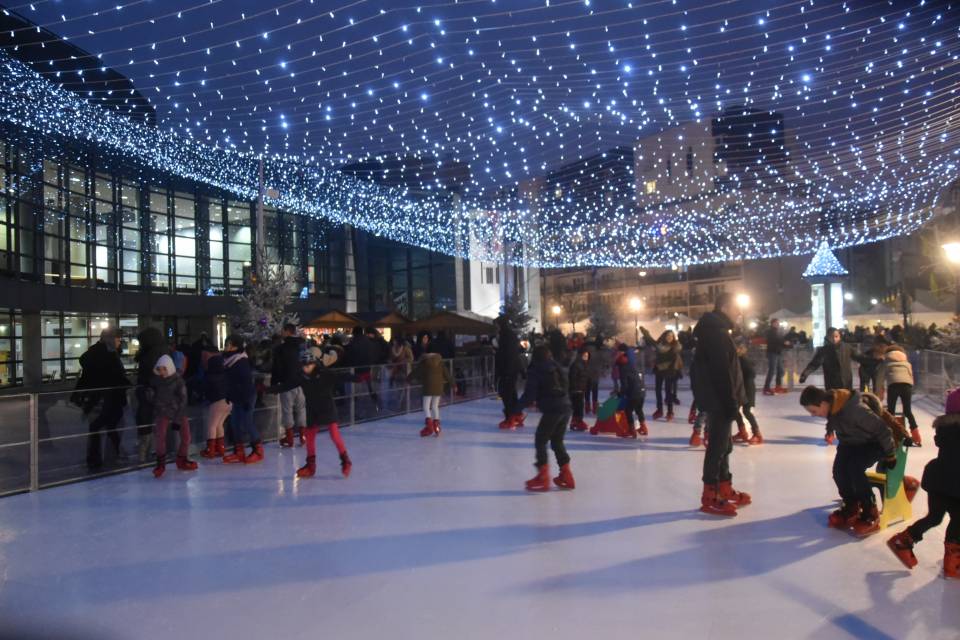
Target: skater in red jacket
319	384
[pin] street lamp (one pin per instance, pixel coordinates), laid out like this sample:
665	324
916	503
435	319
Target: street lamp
952	251
635	305
874	302
743	301
848	296
557	310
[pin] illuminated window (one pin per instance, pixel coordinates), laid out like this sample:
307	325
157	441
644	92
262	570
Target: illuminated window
651	186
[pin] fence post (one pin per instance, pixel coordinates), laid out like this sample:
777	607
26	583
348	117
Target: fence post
353	399
34	444
453	386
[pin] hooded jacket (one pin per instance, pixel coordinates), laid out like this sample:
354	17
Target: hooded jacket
240	388
547	386
432	373
169	393
856	424
896	368
718	381
942	474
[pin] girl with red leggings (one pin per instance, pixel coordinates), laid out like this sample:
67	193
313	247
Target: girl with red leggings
319	384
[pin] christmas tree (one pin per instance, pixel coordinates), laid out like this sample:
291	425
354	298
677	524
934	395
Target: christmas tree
603	320
517	314
947	338
263	303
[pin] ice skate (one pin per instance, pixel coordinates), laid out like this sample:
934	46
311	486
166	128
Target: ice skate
541	481
345	465
915	436
712	504
657	414
844	517
692	416
669	416
565	479
287	440
256	454
756	438
186	464
643	431
742	435
902	546
427	428
695	440
507	423
951	560
161	467
780	390
210	451
220	447
768	392
910	487
436	428
309	469
868	523
728	493
238	456
517	419
830	438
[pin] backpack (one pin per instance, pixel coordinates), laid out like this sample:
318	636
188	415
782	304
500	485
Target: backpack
896	426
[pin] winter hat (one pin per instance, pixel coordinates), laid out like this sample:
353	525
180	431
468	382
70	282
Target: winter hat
166	364
330	357
953	401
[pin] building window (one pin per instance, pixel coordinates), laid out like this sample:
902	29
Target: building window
130	245
489	271
185	242
215	245
239	239
159	240
650	186
11	348
689	161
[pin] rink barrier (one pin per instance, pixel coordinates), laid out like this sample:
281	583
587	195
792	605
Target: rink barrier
44	438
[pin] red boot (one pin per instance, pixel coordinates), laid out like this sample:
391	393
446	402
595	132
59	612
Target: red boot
742	435
643	429
345	464
711	503
695	440
507	423
427	428
910	487
308	470
160	468
541	481
915	436
868	523
287	440
565	479
902	547
256	454
669	416
436	428
757	438
211	450
578	425
728	493
518	419
951	560
780	390
238	456
692	416
657	414
221	448
845	516
186	464
768	392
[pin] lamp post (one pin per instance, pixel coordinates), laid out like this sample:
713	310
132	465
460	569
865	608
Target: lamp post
743	302
635	305
952	251
557	310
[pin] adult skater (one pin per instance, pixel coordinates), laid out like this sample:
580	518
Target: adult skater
668	366
776	343
835	357
507	370
719	392
285	380
547	386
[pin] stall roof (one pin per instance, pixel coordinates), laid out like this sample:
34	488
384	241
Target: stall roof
382	318
466	323
334	319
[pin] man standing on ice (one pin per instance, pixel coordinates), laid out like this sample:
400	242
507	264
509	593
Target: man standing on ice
719	391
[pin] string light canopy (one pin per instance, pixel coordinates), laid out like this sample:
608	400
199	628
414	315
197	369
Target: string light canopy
649	134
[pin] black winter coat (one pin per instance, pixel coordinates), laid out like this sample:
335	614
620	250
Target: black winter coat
579	376
240	386
215	382
749	380
541	388
507	358
942	474
361	353
718	380
774	341
857	424
319	390
632	384
835	359
285	373
102	368
151	348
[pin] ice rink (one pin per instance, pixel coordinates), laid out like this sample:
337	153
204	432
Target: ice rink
436	538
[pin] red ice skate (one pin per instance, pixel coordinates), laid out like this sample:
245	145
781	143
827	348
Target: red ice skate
657	414
238	456
951	560
221	447
565	479
902	547
756	438
711	503
541	481
768	392
160	468
780	390
256	454
507	423
868	523
287	440
910	487
308	470
345	465
830	438
692	416
436	428
669	416
728	493
915	436
427	428
742	435
844	517
518	419
695	440
186	464
643	429
211	450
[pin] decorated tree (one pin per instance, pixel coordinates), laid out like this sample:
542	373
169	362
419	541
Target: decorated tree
603	320
516	312
947	338
264	301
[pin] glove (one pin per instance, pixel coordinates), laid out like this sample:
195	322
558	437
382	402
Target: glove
908	442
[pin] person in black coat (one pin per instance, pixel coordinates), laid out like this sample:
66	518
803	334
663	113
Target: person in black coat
548	387
242	396
102	368
835	357
285	377
750	401
941	481
579	383
507	371
361	354
320	383
632	391
719	391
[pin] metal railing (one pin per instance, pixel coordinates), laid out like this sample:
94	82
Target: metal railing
46	440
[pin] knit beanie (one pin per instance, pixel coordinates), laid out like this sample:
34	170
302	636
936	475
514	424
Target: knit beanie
166	363
953	401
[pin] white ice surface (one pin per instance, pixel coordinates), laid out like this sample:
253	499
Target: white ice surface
435	538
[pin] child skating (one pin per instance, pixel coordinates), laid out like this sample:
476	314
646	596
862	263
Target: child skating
170	405
320	383
633	393
433	376
547	386
579	378
941	481
746	409
898	373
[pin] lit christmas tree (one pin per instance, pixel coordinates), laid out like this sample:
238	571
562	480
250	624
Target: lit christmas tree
263	304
